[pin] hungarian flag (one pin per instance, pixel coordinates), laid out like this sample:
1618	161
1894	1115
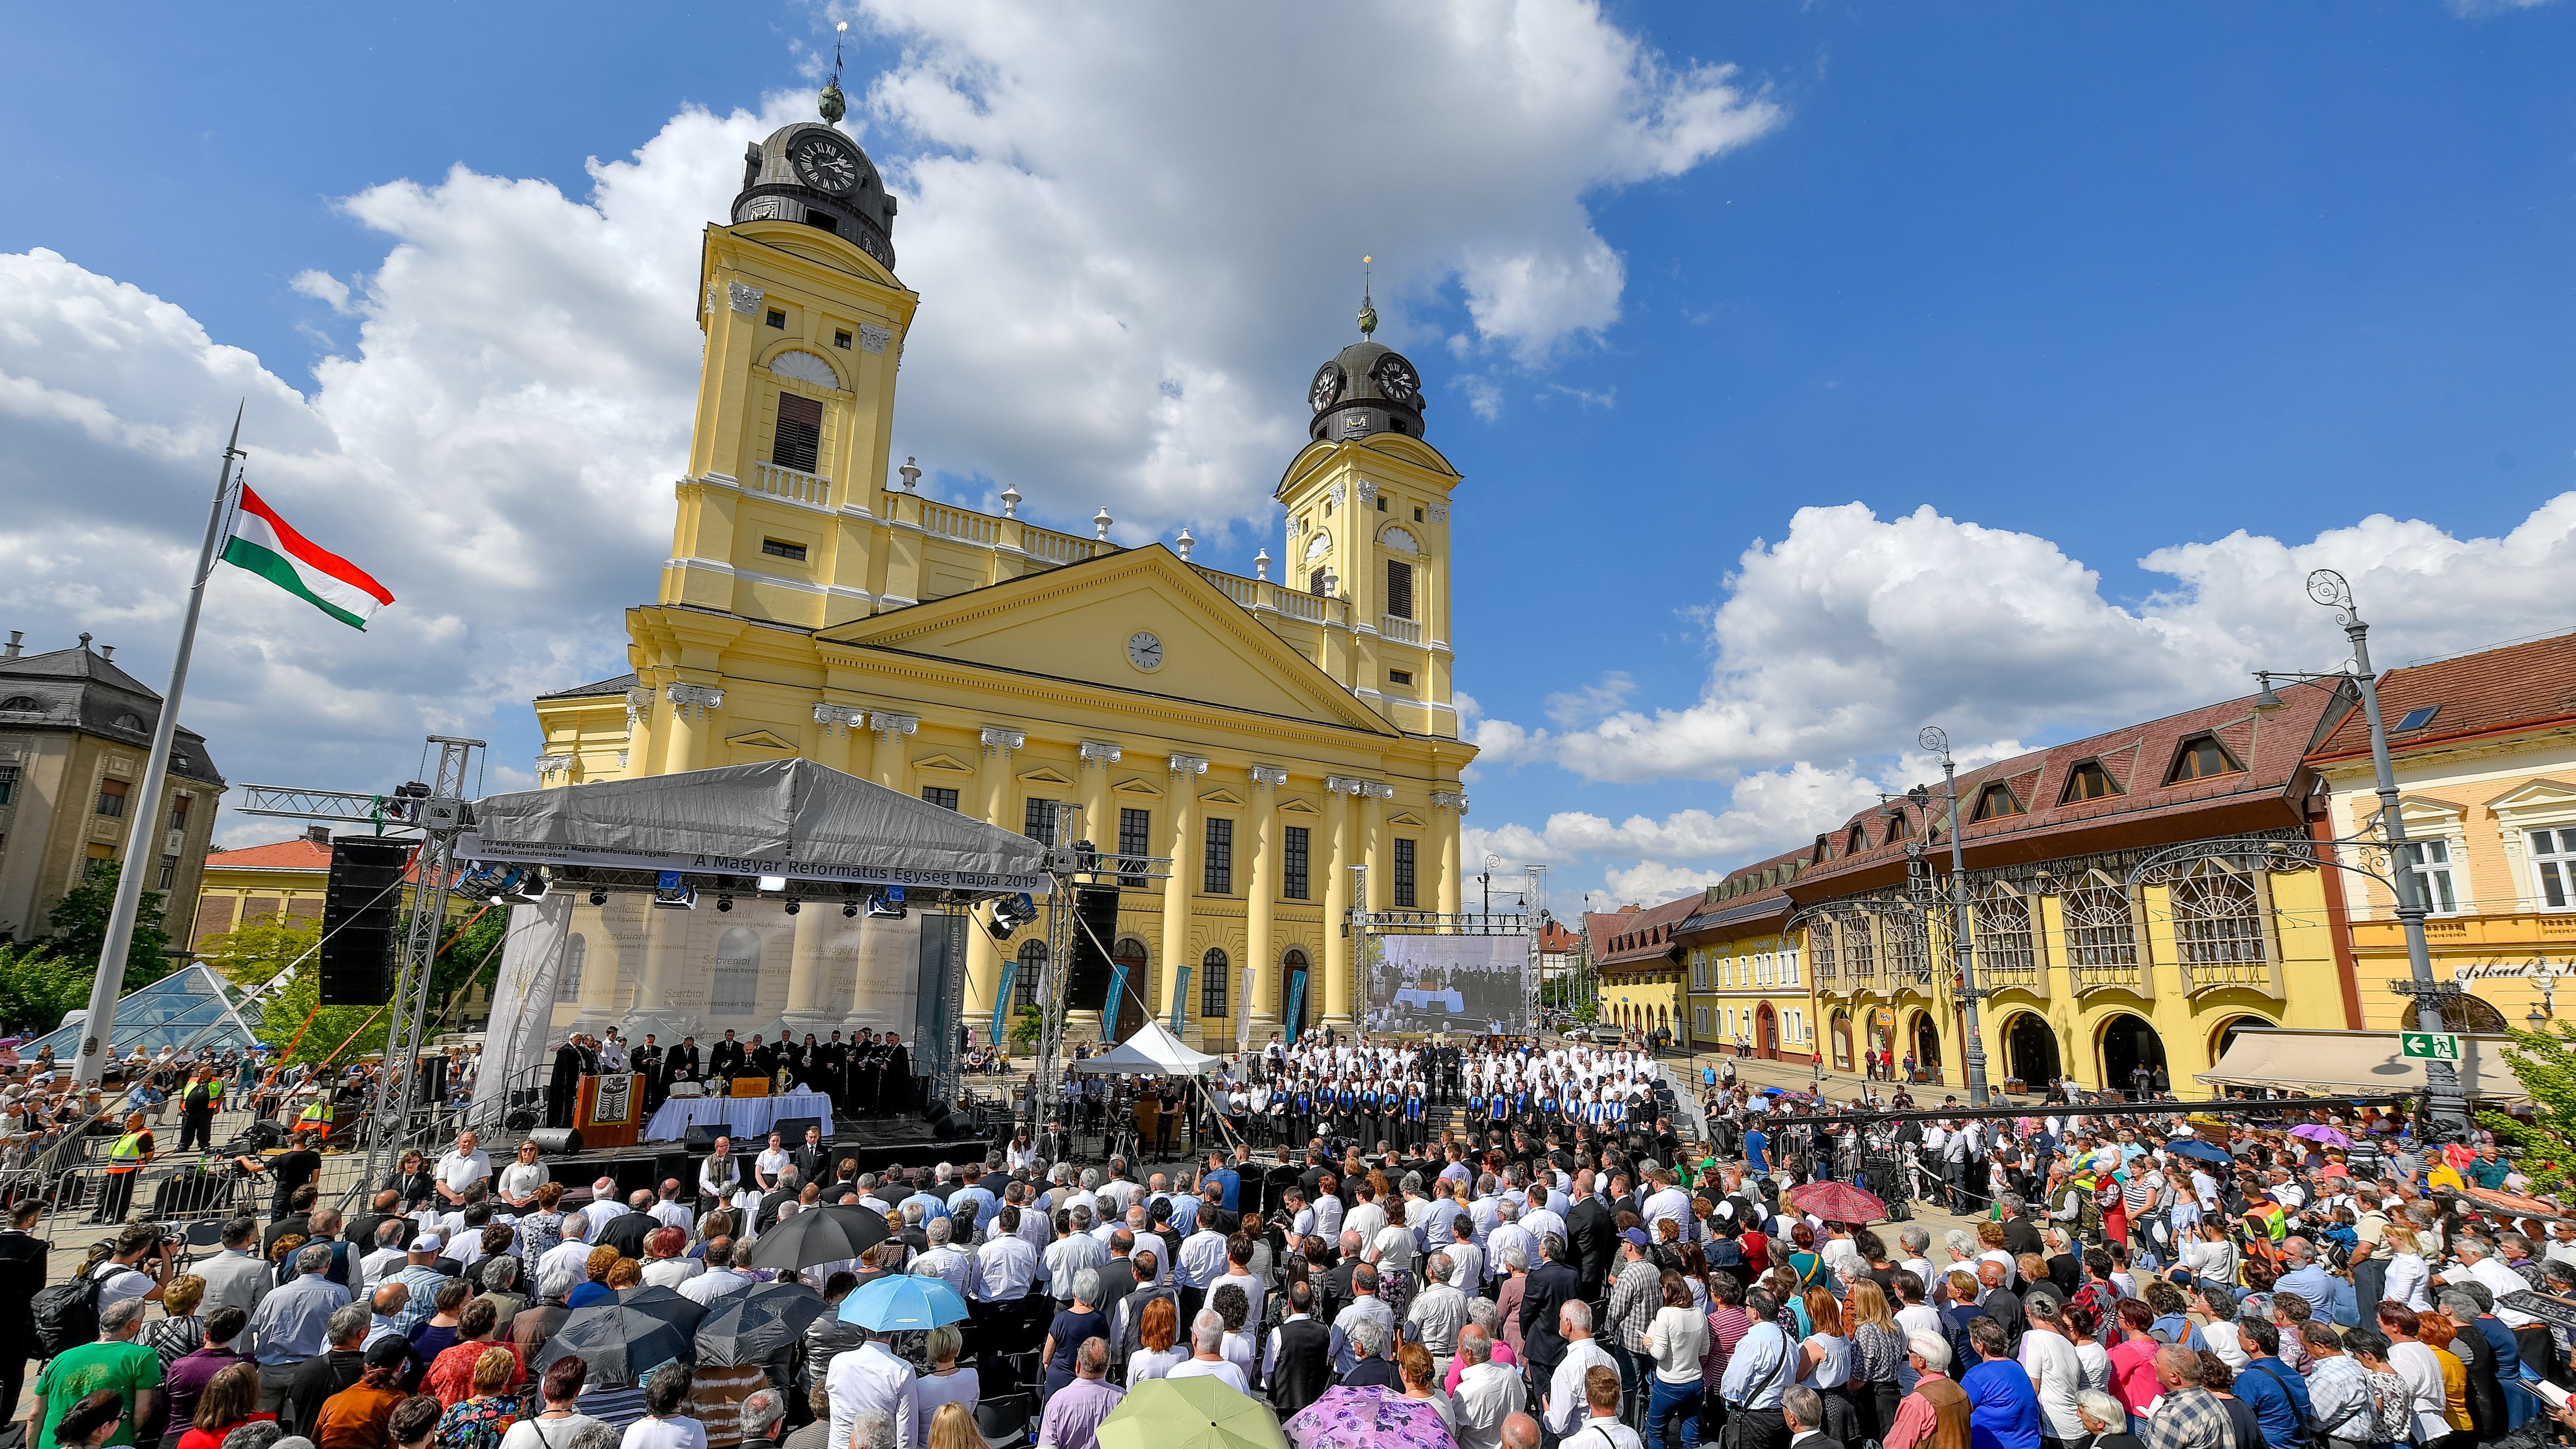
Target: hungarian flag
263	543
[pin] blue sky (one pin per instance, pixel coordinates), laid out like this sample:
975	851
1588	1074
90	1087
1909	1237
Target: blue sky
2097	289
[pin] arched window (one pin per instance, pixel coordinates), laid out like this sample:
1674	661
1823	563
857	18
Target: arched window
1024	989
1994	802
2101	935
2218	928
2088	782
576	951
26	703
1212	975
2004	941
1860	951
737	976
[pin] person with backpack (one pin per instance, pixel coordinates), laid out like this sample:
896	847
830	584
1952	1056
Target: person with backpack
111	1362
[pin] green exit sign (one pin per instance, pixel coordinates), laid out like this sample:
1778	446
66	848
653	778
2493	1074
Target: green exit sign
2434	1045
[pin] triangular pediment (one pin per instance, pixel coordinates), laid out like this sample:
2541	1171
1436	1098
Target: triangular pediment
2534	798
1297	806
1407	818
1075	624
760	740
1137	785
1044	775
948	763
1220	797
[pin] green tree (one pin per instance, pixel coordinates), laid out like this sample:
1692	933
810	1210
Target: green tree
79	920
257	950
37	987
1025	1028
2544	1062
331	1025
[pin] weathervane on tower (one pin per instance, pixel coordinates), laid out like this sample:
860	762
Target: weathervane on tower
1368	308
832	103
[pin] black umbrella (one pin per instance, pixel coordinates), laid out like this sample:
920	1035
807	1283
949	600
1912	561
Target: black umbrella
749	1326
825	1233
616	1341
664	1305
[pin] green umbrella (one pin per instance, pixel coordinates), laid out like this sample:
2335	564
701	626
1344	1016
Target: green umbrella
1192	1413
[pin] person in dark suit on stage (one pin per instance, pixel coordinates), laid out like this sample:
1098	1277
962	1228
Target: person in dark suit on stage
791	1055
563	1083
832	1070
725	1060
681	1063
894	1084
812	1158
647	1059
761	1060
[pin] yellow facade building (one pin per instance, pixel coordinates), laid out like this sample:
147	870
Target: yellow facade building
2110	932
1749	988
2484	747
1286	741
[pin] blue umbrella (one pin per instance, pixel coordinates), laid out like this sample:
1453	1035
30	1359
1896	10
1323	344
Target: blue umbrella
2193	1147
894	1305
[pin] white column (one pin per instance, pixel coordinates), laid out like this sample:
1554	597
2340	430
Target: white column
1185	771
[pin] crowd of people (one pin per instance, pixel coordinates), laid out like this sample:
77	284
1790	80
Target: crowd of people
869	1075
1531	1277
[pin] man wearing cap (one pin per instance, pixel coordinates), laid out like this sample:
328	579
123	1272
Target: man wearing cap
420	1277
1634	1296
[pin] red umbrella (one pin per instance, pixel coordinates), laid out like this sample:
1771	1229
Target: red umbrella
1837	1202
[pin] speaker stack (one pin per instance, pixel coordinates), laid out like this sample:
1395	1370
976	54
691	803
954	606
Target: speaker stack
361	910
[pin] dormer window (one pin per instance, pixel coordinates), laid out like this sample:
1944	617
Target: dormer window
1898	828
1857	841
1995	802
2200	758
2089	782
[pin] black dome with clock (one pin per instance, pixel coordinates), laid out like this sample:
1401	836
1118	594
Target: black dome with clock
1367	388
812	174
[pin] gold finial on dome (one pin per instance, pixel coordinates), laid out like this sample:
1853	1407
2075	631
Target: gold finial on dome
831	103
1368	308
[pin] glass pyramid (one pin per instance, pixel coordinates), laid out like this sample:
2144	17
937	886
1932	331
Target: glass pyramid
191	1007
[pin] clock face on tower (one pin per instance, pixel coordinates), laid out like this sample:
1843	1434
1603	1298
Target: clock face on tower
1144	650
1327	387
1396	379
826	164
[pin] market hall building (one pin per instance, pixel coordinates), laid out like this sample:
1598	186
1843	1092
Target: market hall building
1288	741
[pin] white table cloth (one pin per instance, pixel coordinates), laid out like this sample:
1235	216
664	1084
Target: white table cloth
747	1118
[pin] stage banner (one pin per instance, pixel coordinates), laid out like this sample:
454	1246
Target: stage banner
1114	1003
532	951
1296	1005
1002	1000
1180	997
1428	983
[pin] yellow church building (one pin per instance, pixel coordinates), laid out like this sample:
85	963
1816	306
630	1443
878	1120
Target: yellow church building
1286	742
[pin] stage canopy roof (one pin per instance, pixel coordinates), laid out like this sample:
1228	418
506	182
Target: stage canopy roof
2355	1062
791	818
1153	1052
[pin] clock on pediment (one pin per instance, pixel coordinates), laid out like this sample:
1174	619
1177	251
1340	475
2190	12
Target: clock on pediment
1144	650
827	163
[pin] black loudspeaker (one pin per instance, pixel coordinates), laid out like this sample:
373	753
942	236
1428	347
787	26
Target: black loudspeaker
676	1165
1086	986
361	910
433	1080
556	1141
791	1130
701	1138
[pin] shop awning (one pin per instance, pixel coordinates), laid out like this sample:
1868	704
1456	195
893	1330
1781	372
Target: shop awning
2354	1061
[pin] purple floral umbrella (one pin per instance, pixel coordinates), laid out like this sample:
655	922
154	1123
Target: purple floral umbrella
1368	1418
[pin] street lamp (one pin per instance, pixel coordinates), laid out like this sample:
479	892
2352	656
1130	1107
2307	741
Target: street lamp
1936	742
2446	1103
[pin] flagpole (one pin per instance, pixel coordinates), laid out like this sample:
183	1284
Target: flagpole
143	832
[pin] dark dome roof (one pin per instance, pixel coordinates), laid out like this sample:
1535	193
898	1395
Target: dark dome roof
811	173
1368	387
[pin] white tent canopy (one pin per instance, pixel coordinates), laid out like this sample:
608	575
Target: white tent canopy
791	818
1153	1052
2356	1062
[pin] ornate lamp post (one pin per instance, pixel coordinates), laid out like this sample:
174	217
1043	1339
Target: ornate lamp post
1936	742
2446	1103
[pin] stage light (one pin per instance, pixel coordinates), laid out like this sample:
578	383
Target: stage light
773	883
849	909
599	898
675	898
887	905
724	903
792	907
1011	913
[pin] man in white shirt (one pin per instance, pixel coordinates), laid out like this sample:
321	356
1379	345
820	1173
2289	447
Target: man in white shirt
1207	1355
670	1212
572	1255
1668	1201
235	1277
1488	1392
869	1380
2480	1258
1072	1253
1202	1262
459	1170
1005	1265
721	1279
944	1260
1563	1406
1368	1219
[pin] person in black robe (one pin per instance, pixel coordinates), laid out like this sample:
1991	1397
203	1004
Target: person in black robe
647	1059
894	1077
791	1056
832	1070
681	1063
761	1060
724	1060
866	1056
563	1083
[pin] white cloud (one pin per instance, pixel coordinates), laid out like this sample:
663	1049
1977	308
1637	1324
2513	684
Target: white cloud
1652	882
1841	640
1114	223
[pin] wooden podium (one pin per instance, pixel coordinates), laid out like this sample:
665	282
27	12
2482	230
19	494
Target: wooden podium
609	1110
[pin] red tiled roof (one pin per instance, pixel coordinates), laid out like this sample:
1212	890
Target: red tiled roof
296	854
2518	686
2267	793
1633	936
1741	897
1554	939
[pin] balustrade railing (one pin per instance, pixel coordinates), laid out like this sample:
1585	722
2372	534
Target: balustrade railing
1400	629
958	523
776	481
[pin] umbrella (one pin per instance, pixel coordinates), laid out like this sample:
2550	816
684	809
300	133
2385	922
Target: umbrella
1837	1202
892	1305
1194	1413
1366	1418
2320	1132
616	1341
2198	1150
749	1326
821	1234
663	1305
